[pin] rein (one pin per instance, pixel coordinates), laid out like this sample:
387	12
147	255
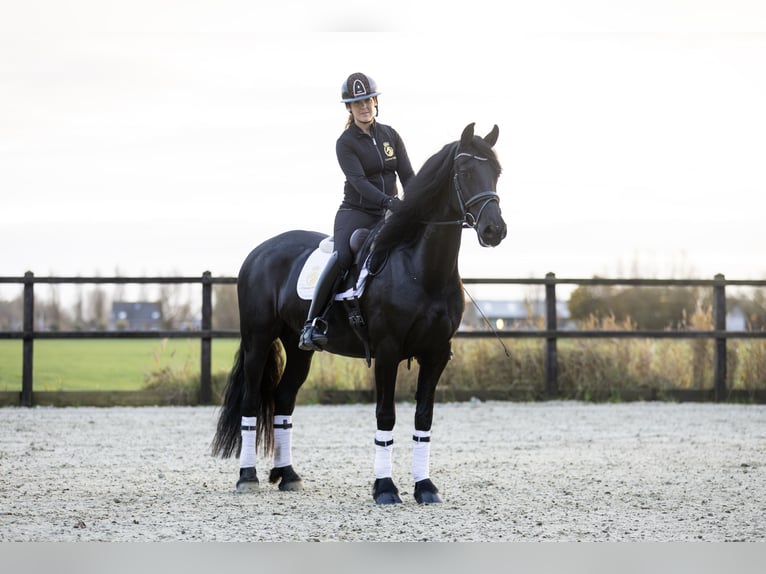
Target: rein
468	220
487	322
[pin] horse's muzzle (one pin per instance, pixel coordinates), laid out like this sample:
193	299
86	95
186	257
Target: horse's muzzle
491	235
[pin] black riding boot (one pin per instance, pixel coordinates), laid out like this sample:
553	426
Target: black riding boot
314	335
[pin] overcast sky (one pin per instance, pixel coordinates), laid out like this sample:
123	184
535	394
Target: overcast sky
158	137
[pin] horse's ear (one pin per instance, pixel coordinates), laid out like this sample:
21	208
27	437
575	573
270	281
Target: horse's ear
467	138
491	137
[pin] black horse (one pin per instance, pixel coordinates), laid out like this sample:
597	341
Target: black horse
411	308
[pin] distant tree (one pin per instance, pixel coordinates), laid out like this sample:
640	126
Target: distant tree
118	290
11	314
98	308
56	319
78	310
225	307
590	301
648	307
176	306
754	309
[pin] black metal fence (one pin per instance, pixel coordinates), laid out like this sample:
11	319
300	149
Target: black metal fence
551	333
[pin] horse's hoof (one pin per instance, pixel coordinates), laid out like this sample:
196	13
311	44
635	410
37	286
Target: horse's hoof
426	492
248	481
289	481
388	498
384	491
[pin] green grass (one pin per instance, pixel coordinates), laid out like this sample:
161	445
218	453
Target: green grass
128	365
114	365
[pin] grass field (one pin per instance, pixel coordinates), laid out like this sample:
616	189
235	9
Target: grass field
134	364
117	365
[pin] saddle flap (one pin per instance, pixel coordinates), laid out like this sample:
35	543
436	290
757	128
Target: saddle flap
310	273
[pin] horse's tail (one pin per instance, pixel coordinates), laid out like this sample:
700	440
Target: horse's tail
272	373
228	437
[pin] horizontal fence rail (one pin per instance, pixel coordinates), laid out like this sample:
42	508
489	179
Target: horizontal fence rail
551	333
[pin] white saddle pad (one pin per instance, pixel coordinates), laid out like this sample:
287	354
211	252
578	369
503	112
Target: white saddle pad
312	270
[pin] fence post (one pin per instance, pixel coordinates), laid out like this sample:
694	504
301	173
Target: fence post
551	352
28	338
719	324
206	386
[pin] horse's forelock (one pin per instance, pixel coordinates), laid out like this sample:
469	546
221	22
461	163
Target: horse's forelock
483	149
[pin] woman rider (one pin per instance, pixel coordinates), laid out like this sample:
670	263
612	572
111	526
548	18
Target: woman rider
371	156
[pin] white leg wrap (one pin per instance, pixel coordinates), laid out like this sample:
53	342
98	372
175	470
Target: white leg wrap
247	455
421	452
283	441
384	448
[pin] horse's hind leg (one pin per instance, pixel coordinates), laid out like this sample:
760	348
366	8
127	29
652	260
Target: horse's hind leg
297	368
256	357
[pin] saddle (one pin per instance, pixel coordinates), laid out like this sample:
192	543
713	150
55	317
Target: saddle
348	288
352	283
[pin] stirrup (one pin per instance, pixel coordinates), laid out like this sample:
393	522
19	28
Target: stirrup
314	335
319	324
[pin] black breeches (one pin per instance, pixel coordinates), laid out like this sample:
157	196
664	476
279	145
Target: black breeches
346	222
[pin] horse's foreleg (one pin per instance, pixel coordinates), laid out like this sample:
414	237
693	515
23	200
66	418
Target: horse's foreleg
428	376
384	490
425	490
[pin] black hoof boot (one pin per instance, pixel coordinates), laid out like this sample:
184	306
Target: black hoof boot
288	479
384	491
426	492
248	481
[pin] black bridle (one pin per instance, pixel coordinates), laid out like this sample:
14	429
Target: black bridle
468	220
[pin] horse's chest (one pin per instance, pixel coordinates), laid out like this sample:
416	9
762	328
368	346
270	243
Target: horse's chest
438	315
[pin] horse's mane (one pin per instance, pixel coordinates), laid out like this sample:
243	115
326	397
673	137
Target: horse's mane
421	196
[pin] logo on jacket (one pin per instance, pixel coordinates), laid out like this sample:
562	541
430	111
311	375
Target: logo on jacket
388	149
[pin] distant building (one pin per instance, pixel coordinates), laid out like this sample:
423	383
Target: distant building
511	315
136	316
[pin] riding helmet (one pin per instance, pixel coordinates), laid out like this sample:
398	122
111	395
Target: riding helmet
357	87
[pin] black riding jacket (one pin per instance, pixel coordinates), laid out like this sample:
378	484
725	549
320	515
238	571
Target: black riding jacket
371	164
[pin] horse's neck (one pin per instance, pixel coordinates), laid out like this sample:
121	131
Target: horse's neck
437	254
